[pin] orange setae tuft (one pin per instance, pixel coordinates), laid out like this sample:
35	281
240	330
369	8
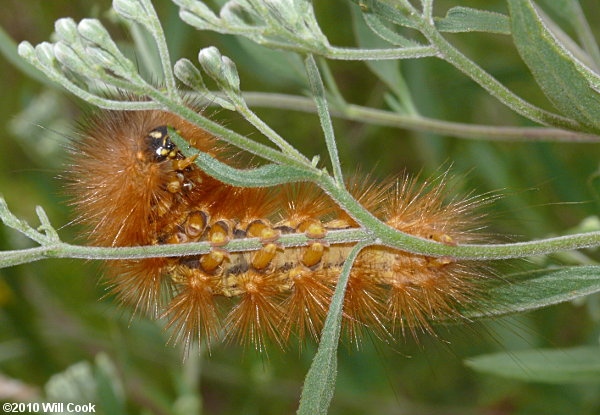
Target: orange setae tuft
193	311
258	314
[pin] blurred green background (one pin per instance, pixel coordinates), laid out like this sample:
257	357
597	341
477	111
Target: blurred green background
53	314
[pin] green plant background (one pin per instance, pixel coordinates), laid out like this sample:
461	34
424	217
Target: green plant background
53	313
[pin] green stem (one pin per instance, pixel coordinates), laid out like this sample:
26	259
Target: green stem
378	233
428	10
318	92
332	87
64	250
452	55
393	238
161	43
393	119
385	236
353	54
223	133
267	131
24	256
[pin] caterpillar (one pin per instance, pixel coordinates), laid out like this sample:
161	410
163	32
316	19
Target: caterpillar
130	185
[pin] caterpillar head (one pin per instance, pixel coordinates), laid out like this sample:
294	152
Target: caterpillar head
125	172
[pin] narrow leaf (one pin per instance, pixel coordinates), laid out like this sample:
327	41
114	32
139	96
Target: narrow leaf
387	12
565	81
572	365
537	289
264	176
465	19
320	380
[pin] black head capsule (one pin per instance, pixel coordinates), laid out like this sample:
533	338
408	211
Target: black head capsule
160	144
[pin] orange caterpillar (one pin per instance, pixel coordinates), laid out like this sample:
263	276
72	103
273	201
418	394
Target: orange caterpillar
132	186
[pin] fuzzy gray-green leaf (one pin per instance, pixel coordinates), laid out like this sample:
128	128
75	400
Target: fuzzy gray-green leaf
320	381
573	365
264	176
537	289
553	68
388	12
465	19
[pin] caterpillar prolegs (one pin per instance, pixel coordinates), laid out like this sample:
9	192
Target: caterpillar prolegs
132	186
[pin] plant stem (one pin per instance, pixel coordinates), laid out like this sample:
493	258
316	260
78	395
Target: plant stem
268	132
452	55
379	234
353	54
318	92
393	238
393	119
161	44
65	250
223	133
428	10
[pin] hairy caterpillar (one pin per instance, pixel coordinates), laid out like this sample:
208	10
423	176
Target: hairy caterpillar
132	186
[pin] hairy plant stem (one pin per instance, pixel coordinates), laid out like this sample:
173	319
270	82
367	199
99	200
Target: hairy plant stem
318	92
414	122
379	54
385	236
157	32
271	134
453	56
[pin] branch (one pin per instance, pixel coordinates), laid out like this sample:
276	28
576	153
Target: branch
369	115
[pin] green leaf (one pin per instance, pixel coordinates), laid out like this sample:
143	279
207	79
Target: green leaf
532	290
386	12
386	33
109	389
379	27
264	176
75	384
566	83
320	381
465	19
572	365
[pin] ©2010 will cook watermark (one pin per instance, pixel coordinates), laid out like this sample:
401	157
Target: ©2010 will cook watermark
49	407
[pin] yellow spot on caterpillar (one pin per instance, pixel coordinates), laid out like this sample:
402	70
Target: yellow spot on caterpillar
313	254
177	238
182	164
263	230
219	234
264	256
196	224
213	259
313	228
